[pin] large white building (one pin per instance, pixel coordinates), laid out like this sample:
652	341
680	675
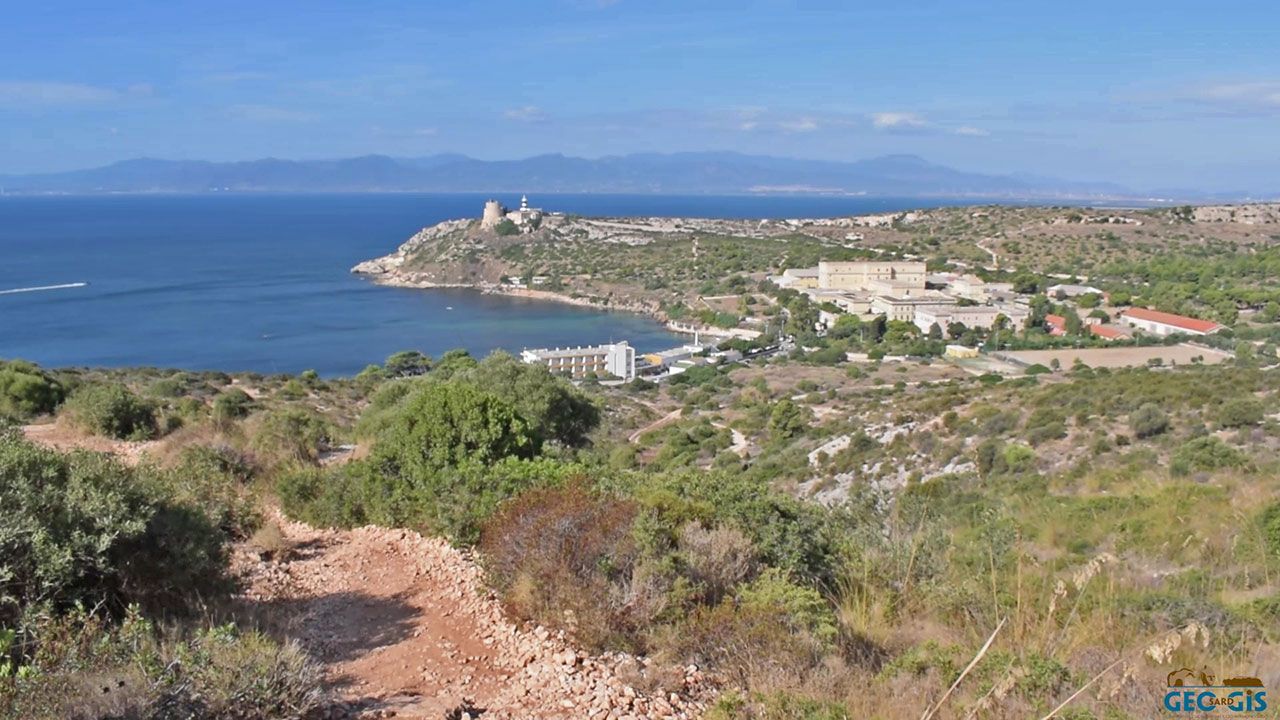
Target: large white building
1159	323
904	309
615	359
974	316
897	278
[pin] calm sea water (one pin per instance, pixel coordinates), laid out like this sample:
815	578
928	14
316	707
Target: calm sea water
261	282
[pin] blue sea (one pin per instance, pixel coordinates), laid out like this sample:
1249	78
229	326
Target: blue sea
262	282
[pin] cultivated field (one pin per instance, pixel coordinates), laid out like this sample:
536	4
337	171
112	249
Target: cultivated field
1119	357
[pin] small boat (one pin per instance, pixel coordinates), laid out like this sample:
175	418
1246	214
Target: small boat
448	307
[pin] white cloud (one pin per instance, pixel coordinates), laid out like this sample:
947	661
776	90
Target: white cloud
897	121
35	95
234	76
799	125
528	113
1245	93
268	113
970	131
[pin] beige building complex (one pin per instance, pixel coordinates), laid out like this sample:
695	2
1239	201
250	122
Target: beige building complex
980	316
886	278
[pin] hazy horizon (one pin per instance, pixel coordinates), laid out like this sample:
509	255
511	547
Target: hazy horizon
1142	94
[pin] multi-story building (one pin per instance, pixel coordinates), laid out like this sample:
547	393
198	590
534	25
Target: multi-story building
975	316
904	308
616	359
872	276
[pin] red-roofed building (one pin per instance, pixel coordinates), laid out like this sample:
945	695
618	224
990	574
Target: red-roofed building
1057	325
1163	323
1106	332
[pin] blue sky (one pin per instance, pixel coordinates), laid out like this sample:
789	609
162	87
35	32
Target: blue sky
1149	94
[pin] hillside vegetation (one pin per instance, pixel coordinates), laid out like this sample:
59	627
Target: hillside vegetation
824	538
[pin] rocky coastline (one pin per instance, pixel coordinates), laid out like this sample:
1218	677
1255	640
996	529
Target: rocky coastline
442	257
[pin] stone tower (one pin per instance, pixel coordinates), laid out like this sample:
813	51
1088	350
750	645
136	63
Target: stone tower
493	214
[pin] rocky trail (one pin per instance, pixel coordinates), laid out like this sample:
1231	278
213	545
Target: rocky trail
405	628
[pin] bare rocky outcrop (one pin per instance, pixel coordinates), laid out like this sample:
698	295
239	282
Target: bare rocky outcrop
390	264
1248	214
405	626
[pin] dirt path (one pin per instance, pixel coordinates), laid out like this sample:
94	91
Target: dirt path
405	628
661	422
59	437
403	624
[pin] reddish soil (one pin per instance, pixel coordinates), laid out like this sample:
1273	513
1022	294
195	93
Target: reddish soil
404	625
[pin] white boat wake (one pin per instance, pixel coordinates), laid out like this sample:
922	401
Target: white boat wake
42	288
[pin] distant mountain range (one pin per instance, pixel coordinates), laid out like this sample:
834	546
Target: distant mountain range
678	173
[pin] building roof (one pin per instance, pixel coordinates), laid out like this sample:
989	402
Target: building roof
1057	324
574	351
1106	331
939	300
1072	289
1178	321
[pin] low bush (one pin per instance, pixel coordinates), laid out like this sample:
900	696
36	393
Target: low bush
561	552
84	529
453	501
27	391
232	404
112	410
717	560
1204	454
1241	412
87	669
216	480
753	643
289	435
1148	421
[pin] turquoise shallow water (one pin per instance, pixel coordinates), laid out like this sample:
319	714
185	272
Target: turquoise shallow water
261	282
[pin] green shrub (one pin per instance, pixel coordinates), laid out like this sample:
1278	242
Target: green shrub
804	609
443	424
293	389
1271	528
232	404
382	407
1019	458
787	419
1205	454
555	410
407	363
1241	412
794	535
26	391
1148	421
112	410
215	480
82	528
289	435
452	501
